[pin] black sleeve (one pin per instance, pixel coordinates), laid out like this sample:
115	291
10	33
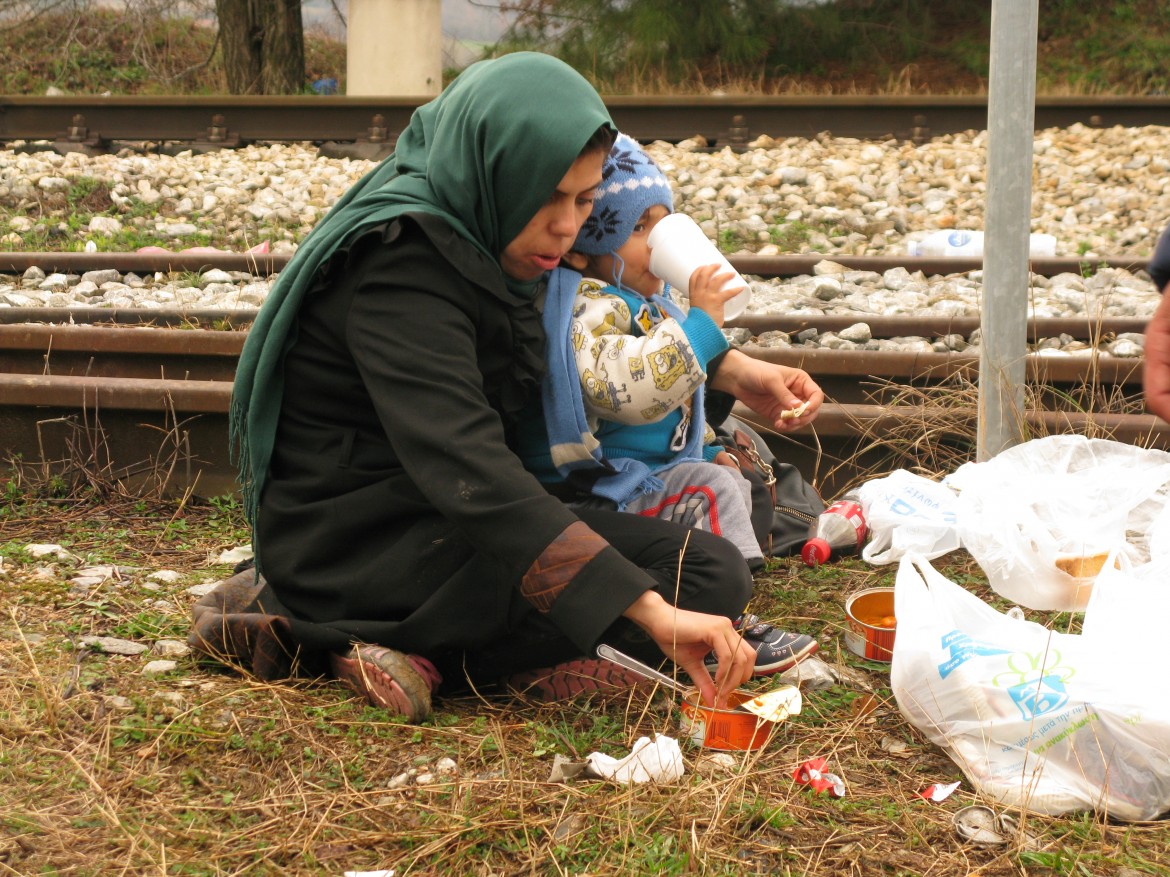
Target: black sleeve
717	406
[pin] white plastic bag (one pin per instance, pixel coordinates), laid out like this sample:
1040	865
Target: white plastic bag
1040	720
1128	610
906	512
1040	518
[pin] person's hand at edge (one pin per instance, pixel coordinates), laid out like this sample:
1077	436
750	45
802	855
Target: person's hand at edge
1156	369
687	638
769	388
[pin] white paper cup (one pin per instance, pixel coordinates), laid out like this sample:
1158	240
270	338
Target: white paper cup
678	246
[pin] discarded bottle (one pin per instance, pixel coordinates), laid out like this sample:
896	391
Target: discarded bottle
960	242
838	530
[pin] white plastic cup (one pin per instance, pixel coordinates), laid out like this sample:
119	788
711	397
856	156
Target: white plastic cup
678	246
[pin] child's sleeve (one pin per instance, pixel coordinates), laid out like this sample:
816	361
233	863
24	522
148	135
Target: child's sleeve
636	378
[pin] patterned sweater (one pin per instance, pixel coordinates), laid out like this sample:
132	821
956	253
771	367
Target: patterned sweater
639	369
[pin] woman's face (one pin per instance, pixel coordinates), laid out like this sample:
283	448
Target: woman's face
549	234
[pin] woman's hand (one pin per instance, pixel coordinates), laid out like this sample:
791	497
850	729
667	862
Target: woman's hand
1156	374
707	292
770	389
688	637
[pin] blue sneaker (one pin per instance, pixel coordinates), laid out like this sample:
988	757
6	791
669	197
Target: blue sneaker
776	650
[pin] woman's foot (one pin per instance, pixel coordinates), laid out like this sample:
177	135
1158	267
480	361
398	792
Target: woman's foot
402	684
573	678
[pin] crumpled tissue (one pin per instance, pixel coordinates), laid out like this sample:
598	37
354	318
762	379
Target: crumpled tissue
659	760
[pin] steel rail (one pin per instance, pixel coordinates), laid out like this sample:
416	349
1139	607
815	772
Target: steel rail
139	428
747	263
211	355
116	352
214	397
140	388
217	120
1086	327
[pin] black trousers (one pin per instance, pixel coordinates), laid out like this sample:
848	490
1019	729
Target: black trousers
692	569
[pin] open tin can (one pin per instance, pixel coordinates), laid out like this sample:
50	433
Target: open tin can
872	625
730	729
744	725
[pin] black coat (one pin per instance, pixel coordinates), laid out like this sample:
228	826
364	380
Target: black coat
395	511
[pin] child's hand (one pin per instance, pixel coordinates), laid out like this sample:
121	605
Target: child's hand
725	459
707	292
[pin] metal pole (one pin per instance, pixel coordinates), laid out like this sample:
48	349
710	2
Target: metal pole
1011	113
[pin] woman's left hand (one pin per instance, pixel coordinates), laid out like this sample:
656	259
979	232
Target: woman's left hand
687	638
769	389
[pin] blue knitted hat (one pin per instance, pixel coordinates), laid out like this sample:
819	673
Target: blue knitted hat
630	184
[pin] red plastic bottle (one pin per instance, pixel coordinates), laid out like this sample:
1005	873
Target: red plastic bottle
839	529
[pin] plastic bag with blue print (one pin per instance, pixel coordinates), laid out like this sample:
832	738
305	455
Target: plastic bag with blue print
1036	719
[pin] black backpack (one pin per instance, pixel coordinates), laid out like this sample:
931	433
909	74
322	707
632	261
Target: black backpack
784	505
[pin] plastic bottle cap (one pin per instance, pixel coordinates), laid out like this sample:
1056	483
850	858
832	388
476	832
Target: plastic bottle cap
815	552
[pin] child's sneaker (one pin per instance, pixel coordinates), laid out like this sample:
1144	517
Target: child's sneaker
776	650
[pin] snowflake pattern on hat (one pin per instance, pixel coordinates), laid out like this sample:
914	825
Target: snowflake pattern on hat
631	183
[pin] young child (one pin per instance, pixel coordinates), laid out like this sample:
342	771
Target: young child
633	365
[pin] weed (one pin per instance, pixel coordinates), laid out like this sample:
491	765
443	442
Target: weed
730	240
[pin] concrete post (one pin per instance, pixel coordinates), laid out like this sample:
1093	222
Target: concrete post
394	48
1011	119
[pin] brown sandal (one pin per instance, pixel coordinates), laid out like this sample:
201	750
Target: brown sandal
575	678
396	682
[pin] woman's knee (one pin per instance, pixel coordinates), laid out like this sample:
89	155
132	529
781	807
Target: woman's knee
714	577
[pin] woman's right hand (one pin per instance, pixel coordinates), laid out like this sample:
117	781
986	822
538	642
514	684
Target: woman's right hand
707	292
687	638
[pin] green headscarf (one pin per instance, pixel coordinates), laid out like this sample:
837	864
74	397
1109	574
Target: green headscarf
484	155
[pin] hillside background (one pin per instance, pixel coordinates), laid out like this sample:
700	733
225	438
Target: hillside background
1120	47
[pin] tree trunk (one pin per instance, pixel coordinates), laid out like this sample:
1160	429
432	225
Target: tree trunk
282	66
263	46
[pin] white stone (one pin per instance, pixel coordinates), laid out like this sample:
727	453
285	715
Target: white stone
54	184
171	648
858	333
42	549
105	225
113	646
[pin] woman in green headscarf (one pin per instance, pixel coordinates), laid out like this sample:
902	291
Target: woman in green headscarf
398	538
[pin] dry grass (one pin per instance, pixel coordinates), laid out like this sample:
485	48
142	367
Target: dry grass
918	78
934	431
105	769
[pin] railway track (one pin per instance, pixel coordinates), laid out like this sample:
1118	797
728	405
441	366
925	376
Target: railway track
137	400
367	127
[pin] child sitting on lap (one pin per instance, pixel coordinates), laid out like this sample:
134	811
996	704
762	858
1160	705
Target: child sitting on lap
623	396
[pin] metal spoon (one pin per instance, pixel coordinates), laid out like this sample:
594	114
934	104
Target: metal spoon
624	660
772	706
